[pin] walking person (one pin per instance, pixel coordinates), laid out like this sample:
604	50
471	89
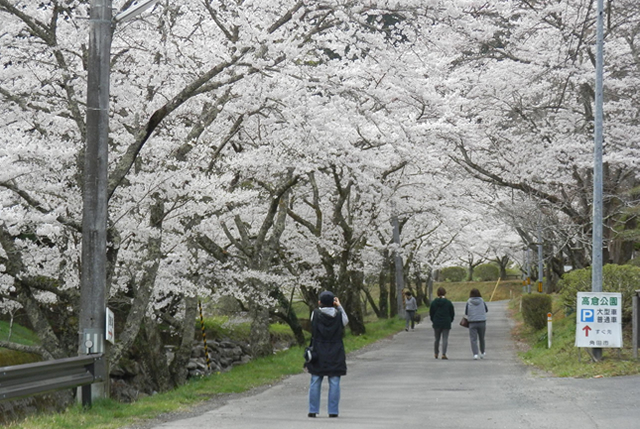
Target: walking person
476	311
410	307
328	323
441	313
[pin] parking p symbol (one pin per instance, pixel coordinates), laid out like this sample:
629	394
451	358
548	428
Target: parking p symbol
587	315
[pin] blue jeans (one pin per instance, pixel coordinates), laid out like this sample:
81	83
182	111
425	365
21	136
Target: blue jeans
315	390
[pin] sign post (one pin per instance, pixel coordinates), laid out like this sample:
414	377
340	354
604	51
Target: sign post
599	320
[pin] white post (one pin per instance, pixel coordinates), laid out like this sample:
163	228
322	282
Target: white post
549	328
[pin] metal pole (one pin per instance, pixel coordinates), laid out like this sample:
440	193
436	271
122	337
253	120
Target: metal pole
596	262
398	264
94	216
528	270
540	261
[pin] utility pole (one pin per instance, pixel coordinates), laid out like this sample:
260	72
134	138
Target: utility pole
94	198
596	262
528	269
540	260
398	264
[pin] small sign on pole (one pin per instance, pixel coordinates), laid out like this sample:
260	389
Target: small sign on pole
599	320
110	324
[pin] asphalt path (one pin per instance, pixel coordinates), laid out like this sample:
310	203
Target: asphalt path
398	383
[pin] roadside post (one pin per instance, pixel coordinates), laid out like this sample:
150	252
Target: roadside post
599	320
549	328
635	322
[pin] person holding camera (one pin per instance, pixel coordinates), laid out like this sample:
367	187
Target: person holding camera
327	328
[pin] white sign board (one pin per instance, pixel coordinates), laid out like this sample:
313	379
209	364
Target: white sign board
599	320
109	333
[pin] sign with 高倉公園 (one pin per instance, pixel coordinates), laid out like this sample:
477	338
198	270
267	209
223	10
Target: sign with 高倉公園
599	320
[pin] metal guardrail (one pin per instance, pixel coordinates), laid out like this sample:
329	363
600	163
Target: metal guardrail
19	381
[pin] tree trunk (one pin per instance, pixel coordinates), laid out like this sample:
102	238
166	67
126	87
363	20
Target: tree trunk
178	369
432	276
420	292
259	337
355	313
393	308
371	301
383	302
157	369
288	314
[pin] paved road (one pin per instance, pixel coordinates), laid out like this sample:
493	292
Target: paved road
398	383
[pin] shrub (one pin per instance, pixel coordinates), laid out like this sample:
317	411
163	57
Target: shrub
453	274
534	310
615	278
486	273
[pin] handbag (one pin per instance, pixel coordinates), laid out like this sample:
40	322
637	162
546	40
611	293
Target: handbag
310	355
464	322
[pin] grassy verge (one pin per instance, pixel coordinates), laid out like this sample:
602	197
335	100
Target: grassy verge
107	414
20	335
563	359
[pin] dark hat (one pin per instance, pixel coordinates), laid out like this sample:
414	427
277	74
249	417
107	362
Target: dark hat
326	298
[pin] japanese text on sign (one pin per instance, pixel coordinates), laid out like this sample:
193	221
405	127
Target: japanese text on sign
599	320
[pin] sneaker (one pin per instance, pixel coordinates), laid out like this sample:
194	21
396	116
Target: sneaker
333	415
444	357
406	329
482	355
475	357
436	356
312	414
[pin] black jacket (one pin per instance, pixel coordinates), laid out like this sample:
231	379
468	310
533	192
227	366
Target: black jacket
327	334
442	313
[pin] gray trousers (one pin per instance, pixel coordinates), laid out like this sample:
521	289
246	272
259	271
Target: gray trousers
476	332
444	333
410	317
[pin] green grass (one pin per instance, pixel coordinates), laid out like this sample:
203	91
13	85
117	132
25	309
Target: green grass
20	335
563	359
108	414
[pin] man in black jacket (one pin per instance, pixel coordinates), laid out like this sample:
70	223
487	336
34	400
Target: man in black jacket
328	324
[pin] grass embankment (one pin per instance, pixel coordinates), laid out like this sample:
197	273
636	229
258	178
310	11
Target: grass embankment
108	414
17	334
490	291
563	359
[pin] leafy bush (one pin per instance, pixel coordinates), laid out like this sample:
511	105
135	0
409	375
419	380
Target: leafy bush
535	308
453	274
635	262
615	278
486	273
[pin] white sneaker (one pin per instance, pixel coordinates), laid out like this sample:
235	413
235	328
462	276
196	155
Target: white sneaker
482	355
475	357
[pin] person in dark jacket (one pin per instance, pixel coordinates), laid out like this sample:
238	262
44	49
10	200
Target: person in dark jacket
442	314
327	324
476	311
